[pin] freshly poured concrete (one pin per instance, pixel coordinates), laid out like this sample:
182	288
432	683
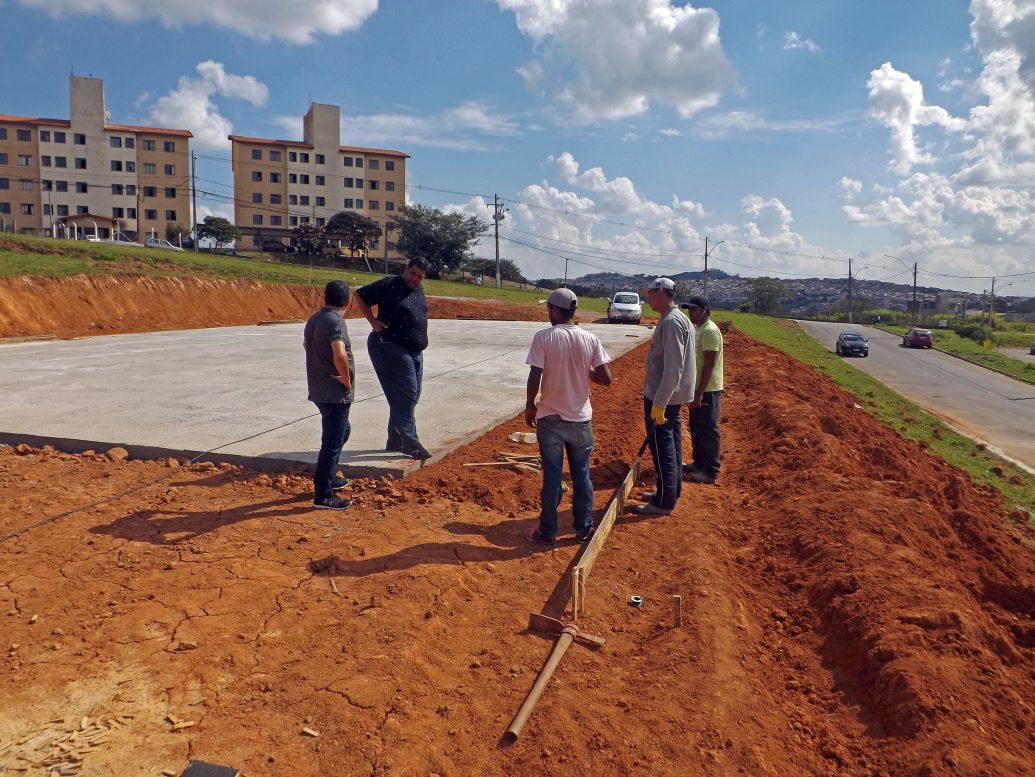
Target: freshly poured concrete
187	392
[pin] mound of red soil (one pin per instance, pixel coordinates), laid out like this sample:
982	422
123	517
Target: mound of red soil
851	605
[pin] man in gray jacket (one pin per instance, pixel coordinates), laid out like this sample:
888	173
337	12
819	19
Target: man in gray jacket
669	378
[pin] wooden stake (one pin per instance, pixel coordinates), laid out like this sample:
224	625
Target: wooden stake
677	611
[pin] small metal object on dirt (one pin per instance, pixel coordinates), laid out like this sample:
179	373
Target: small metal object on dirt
635	601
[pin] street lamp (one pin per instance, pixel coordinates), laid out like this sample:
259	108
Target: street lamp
706	262
991	301
889	256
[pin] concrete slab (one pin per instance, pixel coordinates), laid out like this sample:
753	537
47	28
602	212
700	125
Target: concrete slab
240	392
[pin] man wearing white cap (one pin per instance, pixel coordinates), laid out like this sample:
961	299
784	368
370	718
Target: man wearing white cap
562	361
668	384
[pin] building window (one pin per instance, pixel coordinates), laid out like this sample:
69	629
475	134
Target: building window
389	245
3	133
320	180
79	138
3	158
256	198
130	143
151	215
373	204
25	184
131	213
81	209
257	219
170	192
148	145
293	221
118	213
131	189
303	157
256	176
346	182
59	137
347	161
115	141
305	219
389	186
150	168
359	183
389	164
292	156
359	161
389	205
303	200
373	164
61	186
24	160
275	221
275	199
131	167
44	161
170	215
373	185
80	163
60	161
5	207
303	179
5	183
292	199
319	159
62	210
81	188
292	178
150	191
257	153
359	204
24	134
169	146
274	177
274	156
26	208
349	203
117	189
116	166
320	202
320	222
44	136
170	169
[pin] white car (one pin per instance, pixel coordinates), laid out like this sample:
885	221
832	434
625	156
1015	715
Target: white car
153	242
625	307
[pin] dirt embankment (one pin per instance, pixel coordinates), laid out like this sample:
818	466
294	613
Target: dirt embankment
84	305
852	606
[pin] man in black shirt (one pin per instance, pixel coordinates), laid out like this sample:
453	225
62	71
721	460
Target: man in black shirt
330	373
396	347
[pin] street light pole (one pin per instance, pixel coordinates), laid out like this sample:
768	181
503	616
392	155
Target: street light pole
914	268
706	262
991	302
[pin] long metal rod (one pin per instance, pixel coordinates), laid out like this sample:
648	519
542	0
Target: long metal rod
559	649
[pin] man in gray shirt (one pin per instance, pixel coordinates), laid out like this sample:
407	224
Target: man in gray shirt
668	384
330	373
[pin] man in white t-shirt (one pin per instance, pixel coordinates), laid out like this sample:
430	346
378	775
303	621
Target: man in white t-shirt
562	361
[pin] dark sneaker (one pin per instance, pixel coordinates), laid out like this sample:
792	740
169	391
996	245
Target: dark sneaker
332	503
533	536
339	483
701	477
584	535
650	509
649	496
689	469
420	453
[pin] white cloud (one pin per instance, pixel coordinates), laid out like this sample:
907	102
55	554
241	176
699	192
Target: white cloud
724	125
897	102
792	41
850	186
669	132
297	21
190	104
610	59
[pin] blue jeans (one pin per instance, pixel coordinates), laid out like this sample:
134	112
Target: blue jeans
401	373
557	436
666	448
336	429
704	432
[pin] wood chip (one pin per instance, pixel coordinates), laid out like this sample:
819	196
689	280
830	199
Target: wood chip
34	618
310	732
84	723
169	717
183	724
334	586
168	773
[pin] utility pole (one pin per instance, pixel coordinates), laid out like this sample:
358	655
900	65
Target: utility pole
914	268
497	216
706	262
194	199
850	290
991	302
388	229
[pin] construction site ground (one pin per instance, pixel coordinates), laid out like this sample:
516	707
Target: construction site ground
851	605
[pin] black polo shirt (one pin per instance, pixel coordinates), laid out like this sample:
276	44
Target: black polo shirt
402	309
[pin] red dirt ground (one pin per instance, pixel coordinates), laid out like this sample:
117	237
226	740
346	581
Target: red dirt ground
852	606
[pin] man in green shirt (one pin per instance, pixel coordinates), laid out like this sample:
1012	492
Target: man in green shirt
704	409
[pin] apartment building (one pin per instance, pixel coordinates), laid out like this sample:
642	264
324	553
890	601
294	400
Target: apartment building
281	184
83	175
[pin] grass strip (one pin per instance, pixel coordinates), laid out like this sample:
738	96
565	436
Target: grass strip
975	353
905	417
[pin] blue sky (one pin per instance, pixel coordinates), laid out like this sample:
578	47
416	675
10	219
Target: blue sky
620	132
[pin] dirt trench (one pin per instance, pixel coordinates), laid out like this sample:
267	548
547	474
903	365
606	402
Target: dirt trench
852	606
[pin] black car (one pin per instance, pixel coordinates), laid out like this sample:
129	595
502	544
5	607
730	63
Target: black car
276	247
852	344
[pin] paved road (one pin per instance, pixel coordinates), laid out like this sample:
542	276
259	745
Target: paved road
998	410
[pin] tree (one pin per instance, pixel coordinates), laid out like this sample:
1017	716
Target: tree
218	229
766	295
487	267
309	239
173	231
356	231
444	240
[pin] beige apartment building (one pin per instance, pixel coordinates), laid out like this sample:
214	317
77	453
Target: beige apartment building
281	184
84	176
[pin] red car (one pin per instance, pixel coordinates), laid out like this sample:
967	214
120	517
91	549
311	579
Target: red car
918	338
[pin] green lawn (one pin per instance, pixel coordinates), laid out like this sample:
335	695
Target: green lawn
907	418
964	348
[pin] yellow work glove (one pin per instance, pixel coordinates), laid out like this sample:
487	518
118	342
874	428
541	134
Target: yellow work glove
657	414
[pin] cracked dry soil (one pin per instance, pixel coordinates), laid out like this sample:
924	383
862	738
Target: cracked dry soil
851	606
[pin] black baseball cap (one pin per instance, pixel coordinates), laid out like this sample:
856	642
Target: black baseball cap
697	302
